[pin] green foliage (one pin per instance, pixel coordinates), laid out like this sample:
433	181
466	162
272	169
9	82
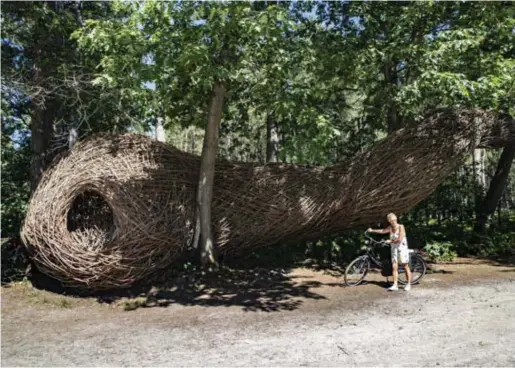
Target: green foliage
504	244
278	255
325	253
500	244
440	252
449	214
15	165
15	261
15	186
338	249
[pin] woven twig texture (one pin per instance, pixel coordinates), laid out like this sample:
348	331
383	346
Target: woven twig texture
119	207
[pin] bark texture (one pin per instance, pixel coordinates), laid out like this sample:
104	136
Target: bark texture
272	139
207	174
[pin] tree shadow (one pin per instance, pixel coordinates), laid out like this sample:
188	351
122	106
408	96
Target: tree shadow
497	261
382	284
500	261
431	271
267	290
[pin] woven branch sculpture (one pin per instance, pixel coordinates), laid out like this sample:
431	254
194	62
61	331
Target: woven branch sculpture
117	208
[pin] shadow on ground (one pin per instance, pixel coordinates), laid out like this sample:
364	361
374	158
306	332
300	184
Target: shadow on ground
498	261
252	288
266	289
432	270
260	289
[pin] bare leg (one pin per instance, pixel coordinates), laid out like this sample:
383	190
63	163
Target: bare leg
408	273
395	268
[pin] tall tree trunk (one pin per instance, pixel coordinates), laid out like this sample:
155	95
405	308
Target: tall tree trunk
272	139
479	175
394	120
192	141
479	162
496	188
43	107
160	131
42	131
206	178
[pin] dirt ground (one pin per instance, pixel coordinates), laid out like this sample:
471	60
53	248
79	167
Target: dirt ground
463	314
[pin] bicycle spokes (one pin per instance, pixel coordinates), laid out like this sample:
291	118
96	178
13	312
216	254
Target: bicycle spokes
417	268
356	271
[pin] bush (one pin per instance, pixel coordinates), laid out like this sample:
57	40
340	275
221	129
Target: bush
440	252
487	245
504	244
15	187
476	244
339	248
15	261
324	252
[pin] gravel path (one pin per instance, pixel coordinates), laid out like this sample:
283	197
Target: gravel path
461	324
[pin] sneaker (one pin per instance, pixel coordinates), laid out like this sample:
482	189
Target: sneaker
393	288
407	287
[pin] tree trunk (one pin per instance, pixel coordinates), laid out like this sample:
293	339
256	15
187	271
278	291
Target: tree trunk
206	178
394	120
42	131
479	164
160	131
478	187
43	107
272	139
41	136
496	188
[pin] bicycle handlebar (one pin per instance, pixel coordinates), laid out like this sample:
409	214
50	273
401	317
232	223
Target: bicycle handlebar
372	240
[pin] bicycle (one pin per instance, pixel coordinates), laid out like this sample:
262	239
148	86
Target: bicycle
360	266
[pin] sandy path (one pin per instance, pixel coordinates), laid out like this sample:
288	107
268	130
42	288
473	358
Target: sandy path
449	320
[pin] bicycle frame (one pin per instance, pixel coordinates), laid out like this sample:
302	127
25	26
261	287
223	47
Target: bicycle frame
416	264
375	263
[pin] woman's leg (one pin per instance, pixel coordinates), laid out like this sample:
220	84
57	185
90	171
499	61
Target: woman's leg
395	269
395	263
408	272
404	260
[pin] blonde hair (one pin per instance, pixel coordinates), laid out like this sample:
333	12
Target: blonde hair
390	215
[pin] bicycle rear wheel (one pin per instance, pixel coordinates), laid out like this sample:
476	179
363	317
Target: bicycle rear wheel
356	271
417	267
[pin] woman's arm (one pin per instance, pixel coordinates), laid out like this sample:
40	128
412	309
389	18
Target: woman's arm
379	231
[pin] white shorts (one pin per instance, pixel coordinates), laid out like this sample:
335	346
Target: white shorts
400	254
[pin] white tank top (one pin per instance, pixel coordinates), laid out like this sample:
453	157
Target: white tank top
394	236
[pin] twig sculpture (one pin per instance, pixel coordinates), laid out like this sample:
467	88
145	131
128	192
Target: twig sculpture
118	207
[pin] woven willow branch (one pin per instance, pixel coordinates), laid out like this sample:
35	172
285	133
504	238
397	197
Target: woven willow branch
117	208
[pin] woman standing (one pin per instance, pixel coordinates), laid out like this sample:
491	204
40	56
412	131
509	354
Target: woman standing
399	249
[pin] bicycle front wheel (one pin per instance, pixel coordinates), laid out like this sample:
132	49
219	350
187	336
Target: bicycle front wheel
417	267
356	271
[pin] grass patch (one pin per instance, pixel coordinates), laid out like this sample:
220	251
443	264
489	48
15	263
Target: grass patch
25	290
134	304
